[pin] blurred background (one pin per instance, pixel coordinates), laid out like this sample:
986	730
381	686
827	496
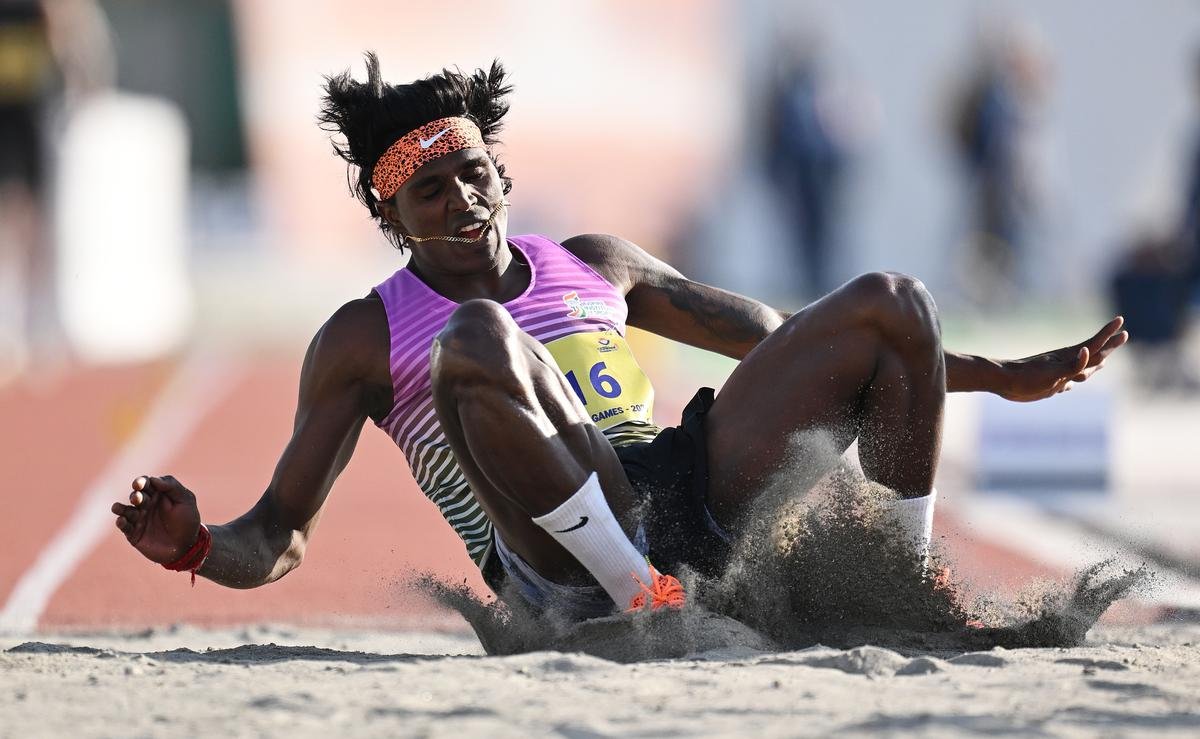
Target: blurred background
174	228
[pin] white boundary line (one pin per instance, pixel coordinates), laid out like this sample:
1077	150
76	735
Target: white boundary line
192	392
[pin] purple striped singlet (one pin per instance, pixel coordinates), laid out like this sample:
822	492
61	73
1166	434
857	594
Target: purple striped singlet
567	306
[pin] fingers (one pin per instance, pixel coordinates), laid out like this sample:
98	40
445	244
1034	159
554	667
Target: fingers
1102	336
1114	342
1081	360
1088	372
1096	357
1112	326
130	521
1106	341
149	485
142	494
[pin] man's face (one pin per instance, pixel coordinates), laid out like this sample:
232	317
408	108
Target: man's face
452	196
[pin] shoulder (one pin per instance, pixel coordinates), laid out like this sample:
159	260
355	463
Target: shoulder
599	247
352	347
615	258
358	327
622	262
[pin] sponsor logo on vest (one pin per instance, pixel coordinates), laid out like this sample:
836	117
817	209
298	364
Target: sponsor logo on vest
580	308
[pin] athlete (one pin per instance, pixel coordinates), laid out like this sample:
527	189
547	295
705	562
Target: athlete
499	366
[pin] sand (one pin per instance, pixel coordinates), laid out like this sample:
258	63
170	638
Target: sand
827	569
271	681
823	623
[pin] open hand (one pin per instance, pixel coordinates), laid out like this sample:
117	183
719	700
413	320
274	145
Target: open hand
1043	375
162	521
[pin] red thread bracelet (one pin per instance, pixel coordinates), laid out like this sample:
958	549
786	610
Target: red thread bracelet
194	557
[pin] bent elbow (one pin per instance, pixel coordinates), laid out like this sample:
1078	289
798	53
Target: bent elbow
292	555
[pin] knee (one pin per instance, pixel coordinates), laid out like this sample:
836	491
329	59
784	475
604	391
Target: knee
899	306
477	343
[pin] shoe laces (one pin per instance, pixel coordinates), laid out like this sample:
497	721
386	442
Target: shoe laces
664	590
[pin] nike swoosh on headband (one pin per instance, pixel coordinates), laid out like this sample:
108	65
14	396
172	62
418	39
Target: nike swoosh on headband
426	143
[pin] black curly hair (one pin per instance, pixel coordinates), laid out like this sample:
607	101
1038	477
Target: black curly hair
371	115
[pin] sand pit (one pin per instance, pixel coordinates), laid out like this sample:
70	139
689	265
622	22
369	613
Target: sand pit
689	672
270	681
735	661
823	623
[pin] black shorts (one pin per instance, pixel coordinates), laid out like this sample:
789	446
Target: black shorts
670	476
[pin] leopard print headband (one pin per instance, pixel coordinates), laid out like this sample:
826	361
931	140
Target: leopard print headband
420	146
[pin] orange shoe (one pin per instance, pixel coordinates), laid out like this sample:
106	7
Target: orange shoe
666	591
942	582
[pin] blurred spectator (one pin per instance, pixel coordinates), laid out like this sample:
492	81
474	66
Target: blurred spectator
806	155
1156	283
27	72
994	123
1190	226
1150	287
47	48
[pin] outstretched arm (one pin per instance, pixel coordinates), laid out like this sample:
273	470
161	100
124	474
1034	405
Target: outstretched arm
268	541
1040	375
664	302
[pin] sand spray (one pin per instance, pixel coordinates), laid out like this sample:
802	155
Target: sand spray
815	562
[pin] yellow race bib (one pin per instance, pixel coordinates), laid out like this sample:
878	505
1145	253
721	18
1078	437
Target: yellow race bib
601	370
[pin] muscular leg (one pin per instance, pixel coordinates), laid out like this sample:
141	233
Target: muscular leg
863	362
518	432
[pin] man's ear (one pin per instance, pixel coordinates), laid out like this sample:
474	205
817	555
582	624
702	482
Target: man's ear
387	210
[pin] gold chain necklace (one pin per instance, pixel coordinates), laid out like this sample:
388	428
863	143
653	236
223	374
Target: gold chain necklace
462	239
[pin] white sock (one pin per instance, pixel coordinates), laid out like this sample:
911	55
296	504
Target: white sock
586	527
914	520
